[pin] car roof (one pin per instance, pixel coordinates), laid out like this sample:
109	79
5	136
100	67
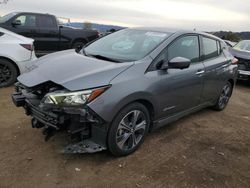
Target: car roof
156	29
33	13
174	30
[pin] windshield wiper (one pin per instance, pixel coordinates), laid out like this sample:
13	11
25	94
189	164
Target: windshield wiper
103	58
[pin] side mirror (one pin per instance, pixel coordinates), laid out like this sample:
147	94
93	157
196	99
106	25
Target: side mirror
16	22
179	63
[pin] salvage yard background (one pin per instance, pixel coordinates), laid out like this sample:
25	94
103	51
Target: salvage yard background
206	149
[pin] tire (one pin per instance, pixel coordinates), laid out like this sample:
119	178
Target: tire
125	135
224	97
8	73
78	45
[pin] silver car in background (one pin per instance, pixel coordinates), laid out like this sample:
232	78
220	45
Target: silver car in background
120	87
242	52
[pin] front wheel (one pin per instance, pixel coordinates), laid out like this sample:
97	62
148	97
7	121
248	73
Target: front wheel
224	97
128	130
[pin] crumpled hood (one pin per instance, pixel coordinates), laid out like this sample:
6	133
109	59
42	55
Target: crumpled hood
241	54
73	71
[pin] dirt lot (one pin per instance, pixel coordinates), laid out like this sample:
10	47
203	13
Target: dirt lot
206	149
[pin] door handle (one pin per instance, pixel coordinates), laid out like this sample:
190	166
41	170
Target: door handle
199	72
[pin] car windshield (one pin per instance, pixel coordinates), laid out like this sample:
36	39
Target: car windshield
243	45
125	45
7	17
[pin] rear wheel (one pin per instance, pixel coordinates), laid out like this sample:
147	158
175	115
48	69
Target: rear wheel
8	73
128	130
224	97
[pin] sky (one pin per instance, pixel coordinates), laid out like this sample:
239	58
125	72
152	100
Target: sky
203	15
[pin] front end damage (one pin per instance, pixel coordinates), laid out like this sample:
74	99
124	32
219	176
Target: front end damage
244	69
87	130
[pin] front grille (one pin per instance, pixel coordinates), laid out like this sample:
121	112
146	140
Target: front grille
243	64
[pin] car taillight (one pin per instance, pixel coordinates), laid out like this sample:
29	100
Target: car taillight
29	47
234	61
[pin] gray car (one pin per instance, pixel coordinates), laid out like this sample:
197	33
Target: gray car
242	52
122	86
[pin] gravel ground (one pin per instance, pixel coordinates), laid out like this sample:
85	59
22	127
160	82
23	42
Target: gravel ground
206	149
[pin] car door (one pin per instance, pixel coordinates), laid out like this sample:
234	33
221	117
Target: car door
49	34
28	26
179	90
216	64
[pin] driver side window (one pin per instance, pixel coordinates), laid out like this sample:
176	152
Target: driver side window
27	20
187	47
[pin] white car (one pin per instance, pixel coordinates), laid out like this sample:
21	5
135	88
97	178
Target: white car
16	55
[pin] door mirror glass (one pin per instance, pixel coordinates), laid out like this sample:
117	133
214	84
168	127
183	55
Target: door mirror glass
16	22
179	63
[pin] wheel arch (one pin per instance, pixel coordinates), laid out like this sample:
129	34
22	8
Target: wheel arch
144	101
79	40
231	81
11	61
150	109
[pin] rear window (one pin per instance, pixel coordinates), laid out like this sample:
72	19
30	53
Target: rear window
1	34
46	22
210	48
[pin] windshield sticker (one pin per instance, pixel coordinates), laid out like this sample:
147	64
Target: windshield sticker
156	34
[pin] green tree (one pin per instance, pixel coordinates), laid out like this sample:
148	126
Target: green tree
112	30
232	37
87	25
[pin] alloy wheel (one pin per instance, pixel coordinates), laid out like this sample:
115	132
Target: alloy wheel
131	130
5	74
225	95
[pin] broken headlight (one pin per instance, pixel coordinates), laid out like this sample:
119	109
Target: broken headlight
73	98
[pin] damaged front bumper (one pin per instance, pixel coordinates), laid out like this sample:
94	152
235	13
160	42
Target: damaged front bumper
83	124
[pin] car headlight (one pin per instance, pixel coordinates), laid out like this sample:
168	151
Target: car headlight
73	98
